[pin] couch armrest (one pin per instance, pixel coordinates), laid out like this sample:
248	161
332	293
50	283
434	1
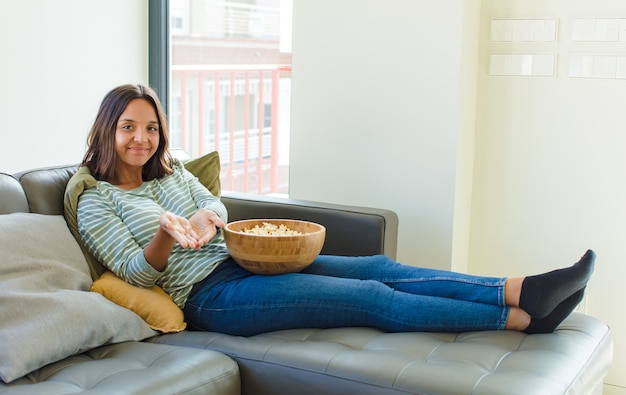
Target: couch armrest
13	198
350	230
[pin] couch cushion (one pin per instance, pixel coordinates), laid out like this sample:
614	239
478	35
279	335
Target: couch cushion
573	360
47	312
133	368
152	304
207	168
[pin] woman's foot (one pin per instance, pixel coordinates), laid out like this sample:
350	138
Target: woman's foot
543	293
549	323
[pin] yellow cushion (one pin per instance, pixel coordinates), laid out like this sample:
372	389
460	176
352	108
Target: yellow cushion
156	307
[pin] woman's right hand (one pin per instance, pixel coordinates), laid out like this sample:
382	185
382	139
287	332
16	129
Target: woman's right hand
179	229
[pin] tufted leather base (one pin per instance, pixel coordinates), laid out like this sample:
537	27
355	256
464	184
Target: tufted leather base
133	368
573	360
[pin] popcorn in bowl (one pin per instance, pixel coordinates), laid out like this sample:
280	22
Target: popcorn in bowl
274	246
272	229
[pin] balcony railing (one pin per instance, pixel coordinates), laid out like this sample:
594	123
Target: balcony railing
234	110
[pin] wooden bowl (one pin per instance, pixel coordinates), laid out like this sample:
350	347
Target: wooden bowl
274	254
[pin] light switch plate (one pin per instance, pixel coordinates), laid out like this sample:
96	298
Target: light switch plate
523	30
529	64
598	29
597	66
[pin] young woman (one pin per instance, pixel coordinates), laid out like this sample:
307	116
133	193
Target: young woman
151	222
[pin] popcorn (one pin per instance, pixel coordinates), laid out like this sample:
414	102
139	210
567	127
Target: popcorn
269	229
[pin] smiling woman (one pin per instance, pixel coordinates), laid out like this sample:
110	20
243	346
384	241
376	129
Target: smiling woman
140	140
136	140
165	229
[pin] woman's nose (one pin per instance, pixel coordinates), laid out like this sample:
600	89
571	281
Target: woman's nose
140	135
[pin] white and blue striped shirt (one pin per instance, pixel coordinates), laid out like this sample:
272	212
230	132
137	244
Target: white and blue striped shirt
117	224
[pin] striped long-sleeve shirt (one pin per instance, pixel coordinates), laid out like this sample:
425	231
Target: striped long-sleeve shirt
117	224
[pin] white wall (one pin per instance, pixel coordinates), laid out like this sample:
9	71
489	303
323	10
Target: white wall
383	115
376	110
59	58
550	164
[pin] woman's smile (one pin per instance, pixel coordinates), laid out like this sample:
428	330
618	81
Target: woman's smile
139	150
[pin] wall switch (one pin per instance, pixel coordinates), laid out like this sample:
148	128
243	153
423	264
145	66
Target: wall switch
622	30
612	29
586	66
597	66
497	27
620	68
575	66
598	30
523	30
543	65
549	30
528	30
522	65
601	30
604	67
583	29
539	29
517	31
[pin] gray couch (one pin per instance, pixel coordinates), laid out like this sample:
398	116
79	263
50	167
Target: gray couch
573	360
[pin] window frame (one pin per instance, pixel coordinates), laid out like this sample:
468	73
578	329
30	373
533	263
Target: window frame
159	50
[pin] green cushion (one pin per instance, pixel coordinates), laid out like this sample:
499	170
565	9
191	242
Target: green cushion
207	169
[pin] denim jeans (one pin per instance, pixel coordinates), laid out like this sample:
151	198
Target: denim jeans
337	291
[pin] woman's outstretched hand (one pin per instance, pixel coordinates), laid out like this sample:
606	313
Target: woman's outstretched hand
205	224
194	232
179	229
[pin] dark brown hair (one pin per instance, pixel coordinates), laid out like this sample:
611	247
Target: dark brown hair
100	156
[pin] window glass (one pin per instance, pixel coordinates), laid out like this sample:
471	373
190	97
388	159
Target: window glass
230	88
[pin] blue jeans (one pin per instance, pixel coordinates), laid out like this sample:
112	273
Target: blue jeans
337	291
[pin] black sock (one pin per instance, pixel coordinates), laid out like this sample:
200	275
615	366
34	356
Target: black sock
552	320
542	293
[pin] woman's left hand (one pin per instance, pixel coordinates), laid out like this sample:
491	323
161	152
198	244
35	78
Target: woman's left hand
205	224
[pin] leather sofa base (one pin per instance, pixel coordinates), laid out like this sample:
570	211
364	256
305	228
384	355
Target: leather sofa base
136	368
573	360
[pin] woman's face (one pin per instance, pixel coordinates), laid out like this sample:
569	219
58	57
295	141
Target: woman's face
136	134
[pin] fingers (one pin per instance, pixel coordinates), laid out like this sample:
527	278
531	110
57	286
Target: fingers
188	237
208	235
218	222
195	232
180	229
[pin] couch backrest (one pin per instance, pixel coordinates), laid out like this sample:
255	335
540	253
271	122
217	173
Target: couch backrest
44	188
372	231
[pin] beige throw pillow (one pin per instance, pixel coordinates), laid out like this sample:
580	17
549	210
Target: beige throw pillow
47	310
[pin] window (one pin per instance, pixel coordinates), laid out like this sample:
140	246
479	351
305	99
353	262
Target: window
228	85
